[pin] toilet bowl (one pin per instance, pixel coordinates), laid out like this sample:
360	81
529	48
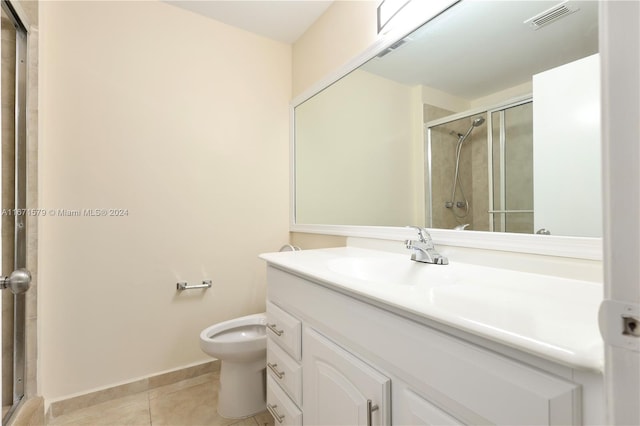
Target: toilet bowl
241	346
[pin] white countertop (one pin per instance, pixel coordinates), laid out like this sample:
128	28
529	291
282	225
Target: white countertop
551	317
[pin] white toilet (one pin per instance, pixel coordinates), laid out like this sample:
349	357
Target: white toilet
241	346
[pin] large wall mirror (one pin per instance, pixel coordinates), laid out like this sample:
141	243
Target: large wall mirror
483	119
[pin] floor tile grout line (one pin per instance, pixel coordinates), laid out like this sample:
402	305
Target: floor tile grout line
149	408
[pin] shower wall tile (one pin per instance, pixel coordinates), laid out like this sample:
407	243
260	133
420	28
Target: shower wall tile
480	170
443	159
30	7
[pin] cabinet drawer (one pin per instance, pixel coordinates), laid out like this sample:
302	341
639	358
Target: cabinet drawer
284	370
285	330
280	406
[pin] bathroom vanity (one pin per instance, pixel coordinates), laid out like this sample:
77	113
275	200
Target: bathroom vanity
363	337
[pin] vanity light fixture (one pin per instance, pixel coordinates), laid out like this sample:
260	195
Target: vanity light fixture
387	9
407	15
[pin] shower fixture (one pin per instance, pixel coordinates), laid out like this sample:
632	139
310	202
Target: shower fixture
478	121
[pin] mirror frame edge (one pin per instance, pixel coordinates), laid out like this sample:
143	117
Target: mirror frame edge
589	248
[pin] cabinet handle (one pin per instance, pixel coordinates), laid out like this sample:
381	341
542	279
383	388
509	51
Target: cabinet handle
273	368
370	409
274	413
273	328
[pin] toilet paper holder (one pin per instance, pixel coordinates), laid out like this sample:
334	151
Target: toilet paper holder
183	285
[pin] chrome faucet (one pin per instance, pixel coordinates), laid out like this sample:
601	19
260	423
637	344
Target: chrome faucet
423	250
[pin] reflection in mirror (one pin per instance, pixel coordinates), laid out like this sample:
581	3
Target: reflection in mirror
494	164
477	120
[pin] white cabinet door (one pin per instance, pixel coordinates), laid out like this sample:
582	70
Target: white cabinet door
413	409
340	389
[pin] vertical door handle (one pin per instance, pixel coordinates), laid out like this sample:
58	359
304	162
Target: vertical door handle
370	409
18	282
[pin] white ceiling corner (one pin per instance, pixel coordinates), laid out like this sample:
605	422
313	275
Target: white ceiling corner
281	20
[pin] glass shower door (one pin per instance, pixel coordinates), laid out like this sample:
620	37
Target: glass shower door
511	153
12	224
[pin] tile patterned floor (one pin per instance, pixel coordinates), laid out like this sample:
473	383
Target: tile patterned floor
191	402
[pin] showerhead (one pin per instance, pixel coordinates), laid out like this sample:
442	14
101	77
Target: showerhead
478	122
475	123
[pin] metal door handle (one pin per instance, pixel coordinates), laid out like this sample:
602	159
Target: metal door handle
274	413
370	409
18	282
273	328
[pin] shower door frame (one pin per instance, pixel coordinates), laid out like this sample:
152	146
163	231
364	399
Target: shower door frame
21	24
515	101
502	211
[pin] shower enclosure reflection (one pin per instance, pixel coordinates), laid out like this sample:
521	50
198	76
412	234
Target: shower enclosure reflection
481	178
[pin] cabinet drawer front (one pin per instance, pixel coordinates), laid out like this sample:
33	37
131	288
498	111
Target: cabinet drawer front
285	370
284	411
285	330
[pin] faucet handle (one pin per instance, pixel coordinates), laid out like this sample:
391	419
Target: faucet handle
422	233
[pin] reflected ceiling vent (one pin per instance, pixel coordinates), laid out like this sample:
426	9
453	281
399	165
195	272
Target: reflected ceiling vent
393	47
551	15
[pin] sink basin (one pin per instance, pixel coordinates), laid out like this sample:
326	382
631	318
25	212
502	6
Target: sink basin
496	300
549	316
391	269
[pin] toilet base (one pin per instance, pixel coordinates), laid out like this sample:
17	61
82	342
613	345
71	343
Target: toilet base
242	389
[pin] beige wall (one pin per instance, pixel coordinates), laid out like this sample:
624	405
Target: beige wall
346	29
183	121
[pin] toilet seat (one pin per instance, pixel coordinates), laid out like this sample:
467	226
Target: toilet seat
240	333
241	346
240	339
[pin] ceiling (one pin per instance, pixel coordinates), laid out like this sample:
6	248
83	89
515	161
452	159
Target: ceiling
281	20
477	48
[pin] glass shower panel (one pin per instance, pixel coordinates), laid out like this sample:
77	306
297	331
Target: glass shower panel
512	168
